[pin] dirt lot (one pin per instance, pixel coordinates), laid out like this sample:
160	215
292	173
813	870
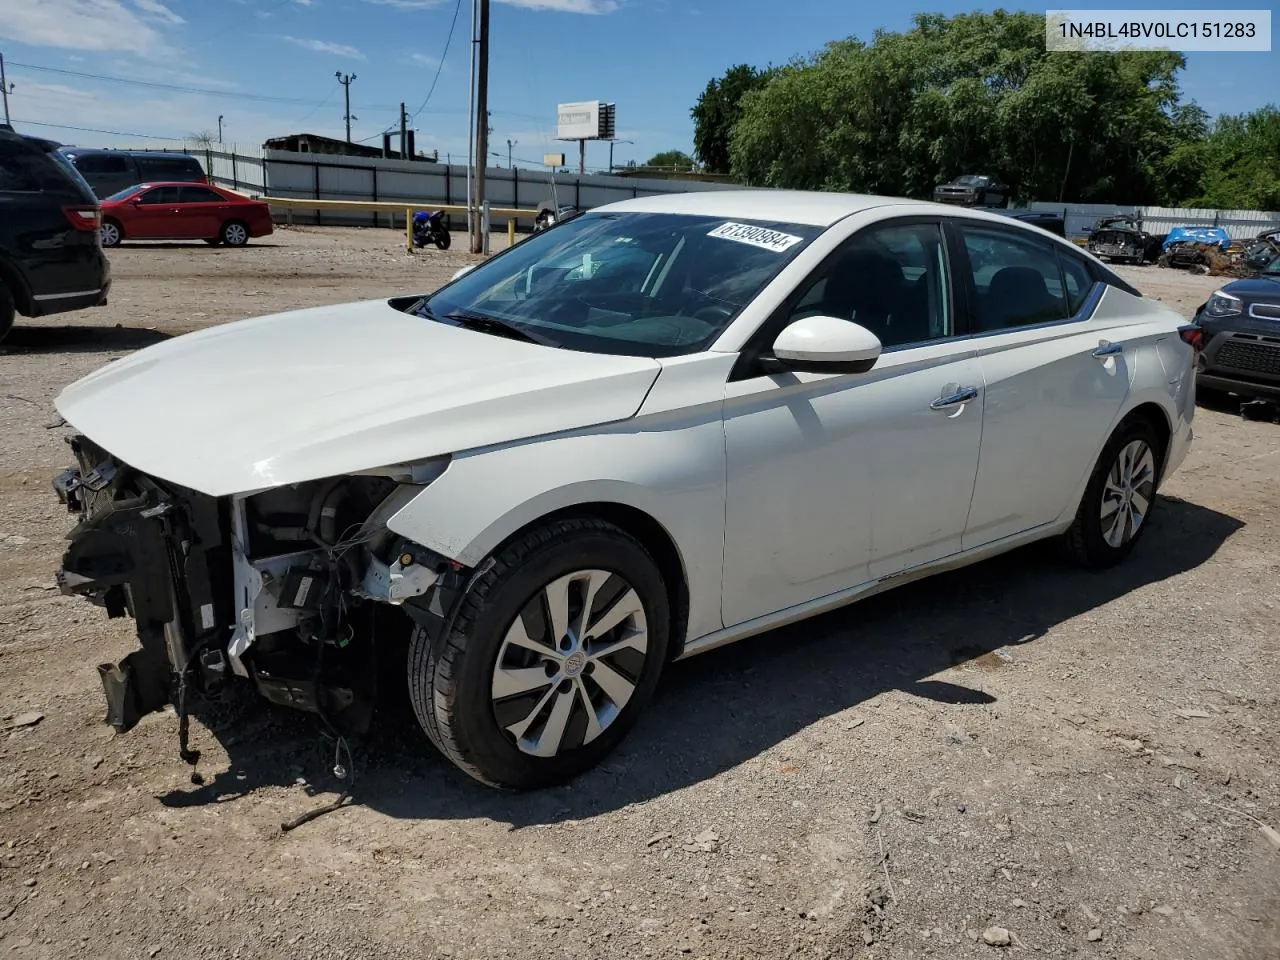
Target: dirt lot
1075	758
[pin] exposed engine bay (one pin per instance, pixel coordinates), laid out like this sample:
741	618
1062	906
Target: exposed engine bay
286	588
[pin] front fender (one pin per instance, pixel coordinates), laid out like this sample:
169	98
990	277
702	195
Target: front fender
670	467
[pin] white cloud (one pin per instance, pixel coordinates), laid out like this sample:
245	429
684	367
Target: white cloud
325	46
85	24
407	4
158	11
567	6
425	58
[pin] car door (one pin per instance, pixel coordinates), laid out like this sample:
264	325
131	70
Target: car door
837	479
152	214
201	212
1054	383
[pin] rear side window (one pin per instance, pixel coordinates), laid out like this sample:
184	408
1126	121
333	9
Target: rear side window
101	163
169	168
1016	280
1077	280
200	195
16	175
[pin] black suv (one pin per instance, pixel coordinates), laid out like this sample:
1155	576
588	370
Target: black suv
1241	348
51	258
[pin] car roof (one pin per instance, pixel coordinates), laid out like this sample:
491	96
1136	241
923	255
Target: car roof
157	154
809	207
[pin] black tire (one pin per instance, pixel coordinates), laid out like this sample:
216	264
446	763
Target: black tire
451	682
6	311
234	233
444	239
111	237
1086	543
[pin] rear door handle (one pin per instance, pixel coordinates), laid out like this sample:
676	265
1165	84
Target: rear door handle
963	395
1108	349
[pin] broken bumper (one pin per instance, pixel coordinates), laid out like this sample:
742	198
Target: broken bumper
144	551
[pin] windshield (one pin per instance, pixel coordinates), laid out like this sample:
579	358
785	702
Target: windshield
972	180
1272	269
639	284
126	193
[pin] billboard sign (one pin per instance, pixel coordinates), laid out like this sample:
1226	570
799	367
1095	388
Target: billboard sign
578	121
585	120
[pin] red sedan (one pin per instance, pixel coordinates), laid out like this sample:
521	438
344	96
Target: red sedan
183	211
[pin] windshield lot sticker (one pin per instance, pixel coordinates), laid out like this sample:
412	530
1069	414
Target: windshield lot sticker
756	236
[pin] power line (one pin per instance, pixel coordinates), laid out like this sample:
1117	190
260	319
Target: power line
155	85
440	66
114	133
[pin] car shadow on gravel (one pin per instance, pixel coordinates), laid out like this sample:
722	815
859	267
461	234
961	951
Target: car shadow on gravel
723	708
79	339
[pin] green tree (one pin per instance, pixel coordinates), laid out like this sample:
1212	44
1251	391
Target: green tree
718	108
973	93
671	158
1240	163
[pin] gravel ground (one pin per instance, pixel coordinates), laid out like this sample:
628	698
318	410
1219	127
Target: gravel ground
1015	757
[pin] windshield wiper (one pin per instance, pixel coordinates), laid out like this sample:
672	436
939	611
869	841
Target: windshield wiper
501	328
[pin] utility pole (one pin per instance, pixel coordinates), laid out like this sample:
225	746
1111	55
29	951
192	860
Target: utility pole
404	133
479	242
510	143
219	128
6	87
346	89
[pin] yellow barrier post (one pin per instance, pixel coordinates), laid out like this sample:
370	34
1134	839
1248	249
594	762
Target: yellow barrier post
511	231
408	229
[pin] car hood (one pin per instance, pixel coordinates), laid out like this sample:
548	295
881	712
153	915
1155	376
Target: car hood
1255	288
332	390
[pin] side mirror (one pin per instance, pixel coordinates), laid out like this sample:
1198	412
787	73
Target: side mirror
467	269
821	344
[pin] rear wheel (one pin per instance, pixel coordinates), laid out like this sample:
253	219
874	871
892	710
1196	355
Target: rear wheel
554	652
234	233
1118	499
111	233
6	311
443	239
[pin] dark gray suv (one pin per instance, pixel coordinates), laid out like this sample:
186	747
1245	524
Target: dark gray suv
110	171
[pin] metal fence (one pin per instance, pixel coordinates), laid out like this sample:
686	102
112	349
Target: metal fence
327	177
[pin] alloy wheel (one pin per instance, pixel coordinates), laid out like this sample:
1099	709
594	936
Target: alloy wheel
570	662
110	234
235	235
1127	493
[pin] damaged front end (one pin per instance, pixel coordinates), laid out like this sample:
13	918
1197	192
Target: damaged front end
285	588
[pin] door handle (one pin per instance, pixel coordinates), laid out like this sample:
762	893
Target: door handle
1105	349
963	395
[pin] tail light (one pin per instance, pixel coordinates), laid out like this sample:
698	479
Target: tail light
1193	336
87	219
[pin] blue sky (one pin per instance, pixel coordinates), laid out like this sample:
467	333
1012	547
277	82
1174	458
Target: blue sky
268	66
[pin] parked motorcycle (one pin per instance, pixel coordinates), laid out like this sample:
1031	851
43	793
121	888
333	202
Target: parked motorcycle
429	227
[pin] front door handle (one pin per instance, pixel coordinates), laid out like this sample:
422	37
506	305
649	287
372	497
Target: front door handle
1105	349
963	395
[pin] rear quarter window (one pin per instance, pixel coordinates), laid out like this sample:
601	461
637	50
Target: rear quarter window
16	173
169	168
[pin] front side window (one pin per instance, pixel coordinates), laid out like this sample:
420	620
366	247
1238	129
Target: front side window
160	195
638	284
1016	280
890	279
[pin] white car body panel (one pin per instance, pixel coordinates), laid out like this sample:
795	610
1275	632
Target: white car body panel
821	466
334	390
784	495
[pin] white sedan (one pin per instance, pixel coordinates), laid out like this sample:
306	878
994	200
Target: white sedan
654	429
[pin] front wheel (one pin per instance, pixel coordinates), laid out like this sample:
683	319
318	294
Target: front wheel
1118	499
555	651
443	239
